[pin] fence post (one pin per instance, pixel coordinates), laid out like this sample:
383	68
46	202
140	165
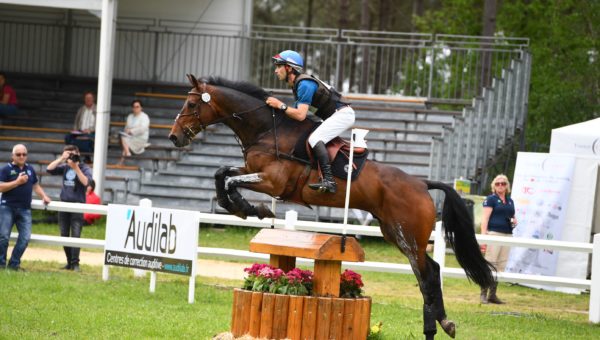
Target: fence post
439	250
594	314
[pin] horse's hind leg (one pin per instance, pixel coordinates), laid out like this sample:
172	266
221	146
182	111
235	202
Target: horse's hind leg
427	273
433	289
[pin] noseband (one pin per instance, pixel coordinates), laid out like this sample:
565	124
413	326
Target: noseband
189	133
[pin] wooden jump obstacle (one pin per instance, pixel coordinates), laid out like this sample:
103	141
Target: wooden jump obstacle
322	316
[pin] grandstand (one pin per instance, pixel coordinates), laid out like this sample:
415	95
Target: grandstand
431	117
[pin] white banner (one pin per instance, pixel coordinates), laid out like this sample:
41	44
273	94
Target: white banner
541	189
163	240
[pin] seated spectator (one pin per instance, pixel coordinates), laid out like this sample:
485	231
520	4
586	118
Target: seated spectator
8	97
82	134
91	198
134	139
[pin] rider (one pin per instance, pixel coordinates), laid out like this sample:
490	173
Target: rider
308	91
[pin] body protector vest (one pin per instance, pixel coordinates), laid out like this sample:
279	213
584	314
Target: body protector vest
325	99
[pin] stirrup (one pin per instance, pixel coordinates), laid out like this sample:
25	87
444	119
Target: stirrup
324	186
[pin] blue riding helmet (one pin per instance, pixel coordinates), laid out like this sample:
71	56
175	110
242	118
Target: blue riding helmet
289	57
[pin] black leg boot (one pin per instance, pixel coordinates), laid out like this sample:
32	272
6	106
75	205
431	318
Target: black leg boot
327	183
493	298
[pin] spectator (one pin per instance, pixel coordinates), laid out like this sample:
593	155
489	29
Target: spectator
137	131
8	97
91	198
82	134
498	218
76	177
17	181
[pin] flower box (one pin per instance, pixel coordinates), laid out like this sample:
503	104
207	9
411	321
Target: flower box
276	316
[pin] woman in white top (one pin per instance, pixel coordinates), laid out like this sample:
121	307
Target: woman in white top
134	139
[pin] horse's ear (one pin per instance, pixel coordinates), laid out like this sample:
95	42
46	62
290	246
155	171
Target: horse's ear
193	80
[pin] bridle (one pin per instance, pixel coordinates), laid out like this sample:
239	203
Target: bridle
205	97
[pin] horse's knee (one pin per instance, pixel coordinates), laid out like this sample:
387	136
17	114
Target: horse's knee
221	173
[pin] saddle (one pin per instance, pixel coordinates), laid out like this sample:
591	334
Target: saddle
339	153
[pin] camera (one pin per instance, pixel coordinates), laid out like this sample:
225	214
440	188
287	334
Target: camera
74	158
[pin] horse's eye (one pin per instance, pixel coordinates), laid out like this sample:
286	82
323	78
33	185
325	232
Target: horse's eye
191	105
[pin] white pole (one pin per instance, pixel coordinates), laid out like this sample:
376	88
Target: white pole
439	250
105	74
594	315
356	137
349	181
273	203
291	217
105	273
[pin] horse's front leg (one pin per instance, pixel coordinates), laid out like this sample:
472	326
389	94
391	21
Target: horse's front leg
247	180
223	199
227	179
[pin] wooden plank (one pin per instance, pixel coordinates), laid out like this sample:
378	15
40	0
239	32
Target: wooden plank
365	317
306	244
244	299
309	318
234	311
33	139
266	320
337	319
285	263
280	316
34	129
323	318
295	313
357	319
255	314
348	321
326	278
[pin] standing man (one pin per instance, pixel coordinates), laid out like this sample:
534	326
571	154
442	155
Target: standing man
76	177
17	181
309	91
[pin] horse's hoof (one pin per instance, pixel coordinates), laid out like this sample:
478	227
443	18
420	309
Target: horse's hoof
240	214
449	327
262	211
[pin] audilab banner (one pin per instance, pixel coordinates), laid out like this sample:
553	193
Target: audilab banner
162	240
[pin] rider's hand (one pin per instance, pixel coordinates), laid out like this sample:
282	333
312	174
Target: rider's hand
274	102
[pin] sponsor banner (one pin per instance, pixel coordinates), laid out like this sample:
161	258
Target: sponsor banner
462	186
162	240
541	190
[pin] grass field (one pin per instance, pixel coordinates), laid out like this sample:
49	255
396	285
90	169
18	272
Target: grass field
45	302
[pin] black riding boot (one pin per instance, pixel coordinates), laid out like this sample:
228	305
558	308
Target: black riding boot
327	182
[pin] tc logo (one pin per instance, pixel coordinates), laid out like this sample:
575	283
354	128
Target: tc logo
528	190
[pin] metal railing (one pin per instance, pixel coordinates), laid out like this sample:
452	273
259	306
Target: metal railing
490	124
439	66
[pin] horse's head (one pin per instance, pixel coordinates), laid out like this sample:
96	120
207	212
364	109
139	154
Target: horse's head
197	113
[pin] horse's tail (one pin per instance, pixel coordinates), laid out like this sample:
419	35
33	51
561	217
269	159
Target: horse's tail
458	227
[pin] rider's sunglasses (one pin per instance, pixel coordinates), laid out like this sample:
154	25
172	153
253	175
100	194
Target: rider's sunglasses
21	154
500	184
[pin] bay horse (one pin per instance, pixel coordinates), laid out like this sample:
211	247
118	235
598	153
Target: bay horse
399	201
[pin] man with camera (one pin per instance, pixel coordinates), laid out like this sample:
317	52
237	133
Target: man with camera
76	176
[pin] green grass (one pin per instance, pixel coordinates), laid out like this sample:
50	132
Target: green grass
44	302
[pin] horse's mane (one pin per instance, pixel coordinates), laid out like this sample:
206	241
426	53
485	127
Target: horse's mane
241	86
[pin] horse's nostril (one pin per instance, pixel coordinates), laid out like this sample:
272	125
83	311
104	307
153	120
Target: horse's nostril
173	138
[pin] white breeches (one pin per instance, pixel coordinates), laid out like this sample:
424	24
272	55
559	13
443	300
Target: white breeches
340	121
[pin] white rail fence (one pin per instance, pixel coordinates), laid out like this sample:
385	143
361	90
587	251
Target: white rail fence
439	252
